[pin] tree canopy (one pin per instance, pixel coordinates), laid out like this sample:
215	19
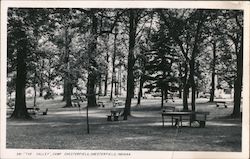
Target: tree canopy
166	50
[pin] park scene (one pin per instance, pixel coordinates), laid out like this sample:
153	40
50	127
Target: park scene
148	79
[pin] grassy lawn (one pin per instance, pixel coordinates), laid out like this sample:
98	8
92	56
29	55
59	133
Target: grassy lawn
65	128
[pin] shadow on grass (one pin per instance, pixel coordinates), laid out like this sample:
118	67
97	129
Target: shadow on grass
137	133
65	128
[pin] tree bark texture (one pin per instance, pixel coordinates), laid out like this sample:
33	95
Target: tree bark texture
41	89
106	77
131	62
213	74
91	90
192	83
100	85
185	89
92	63
20	111
238	81
113	69
67	80
140	90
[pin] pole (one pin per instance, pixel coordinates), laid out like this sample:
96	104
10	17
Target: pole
87	114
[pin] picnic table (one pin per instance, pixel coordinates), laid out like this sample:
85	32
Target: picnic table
36	110
33	110
115	112
201	117
117	103
100	104
221	103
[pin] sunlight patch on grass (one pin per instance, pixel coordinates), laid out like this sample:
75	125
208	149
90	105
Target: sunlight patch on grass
138	138
221	124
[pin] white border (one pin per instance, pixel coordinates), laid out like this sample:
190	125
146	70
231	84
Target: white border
12	153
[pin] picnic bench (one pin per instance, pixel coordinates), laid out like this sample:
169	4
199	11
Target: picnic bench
100	104
117	103
33	110
115	112
200	117
221	103
169	98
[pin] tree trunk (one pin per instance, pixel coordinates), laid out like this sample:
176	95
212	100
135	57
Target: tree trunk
162	97
131	62
68	95
64	89
238	81
91	90
107	73
100	85
185	90
106	84
192	62
67	81
112	88
41	89
180	92
140	90
192	83
20	111
113	69
213	74
166	93
41	80
91	94
34	102
120	82
116	87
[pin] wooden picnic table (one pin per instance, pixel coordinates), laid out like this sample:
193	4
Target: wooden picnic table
179	115
115	113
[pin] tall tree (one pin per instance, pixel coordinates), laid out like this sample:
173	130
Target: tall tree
92	63
186	29
237	39
20	110
133	21
113	66
23	25
232	27
213	72
159	66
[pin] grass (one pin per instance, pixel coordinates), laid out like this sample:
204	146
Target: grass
65	128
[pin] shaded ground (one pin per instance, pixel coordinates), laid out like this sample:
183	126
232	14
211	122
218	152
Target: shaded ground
65	128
